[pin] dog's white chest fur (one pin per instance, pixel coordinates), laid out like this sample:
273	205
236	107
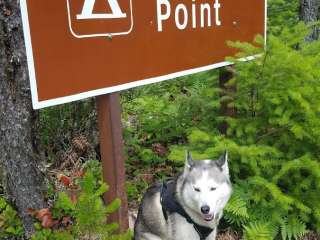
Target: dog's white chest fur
181	229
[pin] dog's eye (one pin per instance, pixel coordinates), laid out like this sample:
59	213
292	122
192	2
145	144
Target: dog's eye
213	189
197	189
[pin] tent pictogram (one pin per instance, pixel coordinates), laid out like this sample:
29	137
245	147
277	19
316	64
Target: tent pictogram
87	11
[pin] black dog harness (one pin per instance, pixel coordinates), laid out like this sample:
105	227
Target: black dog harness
170	204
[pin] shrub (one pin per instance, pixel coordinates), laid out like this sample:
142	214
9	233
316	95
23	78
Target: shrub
10	224
274	140
80	214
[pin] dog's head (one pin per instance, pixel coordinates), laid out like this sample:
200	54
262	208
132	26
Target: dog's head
206	186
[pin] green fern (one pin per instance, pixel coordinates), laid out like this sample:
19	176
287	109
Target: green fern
293	228
259	231
236	211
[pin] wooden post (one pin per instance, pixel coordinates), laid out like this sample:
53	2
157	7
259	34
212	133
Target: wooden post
225	75
111	148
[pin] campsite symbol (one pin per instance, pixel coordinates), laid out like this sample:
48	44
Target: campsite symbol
88	6
99	18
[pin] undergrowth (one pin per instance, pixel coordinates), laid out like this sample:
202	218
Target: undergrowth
273	141
78	212
10	224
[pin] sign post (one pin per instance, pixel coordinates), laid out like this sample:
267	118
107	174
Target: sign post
112	159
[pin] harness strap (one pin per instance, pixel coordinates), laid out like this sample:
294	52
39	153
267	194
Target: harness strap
169	204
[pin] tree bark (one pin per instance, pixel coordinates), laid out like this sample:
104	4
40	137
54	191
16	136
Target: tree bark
225	75
310	13
23	181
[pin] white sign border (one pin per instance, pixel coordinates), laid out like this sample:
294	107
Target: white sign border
57	101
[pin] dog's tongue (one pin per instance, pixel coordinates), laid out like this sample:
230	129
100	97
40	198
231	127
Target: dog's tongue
208	217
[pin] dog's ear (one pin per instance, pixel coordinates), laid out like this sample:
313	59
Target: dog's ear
222	163
189	162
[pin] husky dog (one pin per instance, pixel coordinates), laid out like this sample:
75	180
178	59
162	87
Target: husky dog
188	207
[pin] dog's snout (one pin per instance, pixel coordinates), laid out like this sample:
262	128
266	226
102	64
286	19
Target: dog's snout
205	209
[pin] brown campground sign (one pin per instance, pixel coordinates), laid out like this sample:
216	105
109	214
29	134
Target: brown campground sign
83	48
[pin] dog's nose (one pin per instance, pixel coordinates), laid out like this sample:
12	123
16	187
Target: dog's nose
205	209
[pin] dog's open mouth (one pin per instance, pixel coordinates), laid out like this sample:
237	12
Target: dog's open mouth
208	217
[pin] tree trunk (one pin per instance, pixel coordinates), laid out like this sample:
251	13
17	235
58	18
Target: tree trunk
23	181
310	13
225	75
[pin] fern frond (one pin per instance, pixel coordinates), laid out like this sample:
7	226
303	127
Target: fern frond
259	231
292	228
236	211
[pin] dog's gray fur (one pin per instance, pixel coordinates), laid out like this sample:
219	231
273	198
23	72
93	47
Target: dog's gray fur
202	183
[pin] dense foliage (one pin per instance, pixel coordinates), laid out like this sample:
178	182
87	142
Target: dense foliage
274	140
